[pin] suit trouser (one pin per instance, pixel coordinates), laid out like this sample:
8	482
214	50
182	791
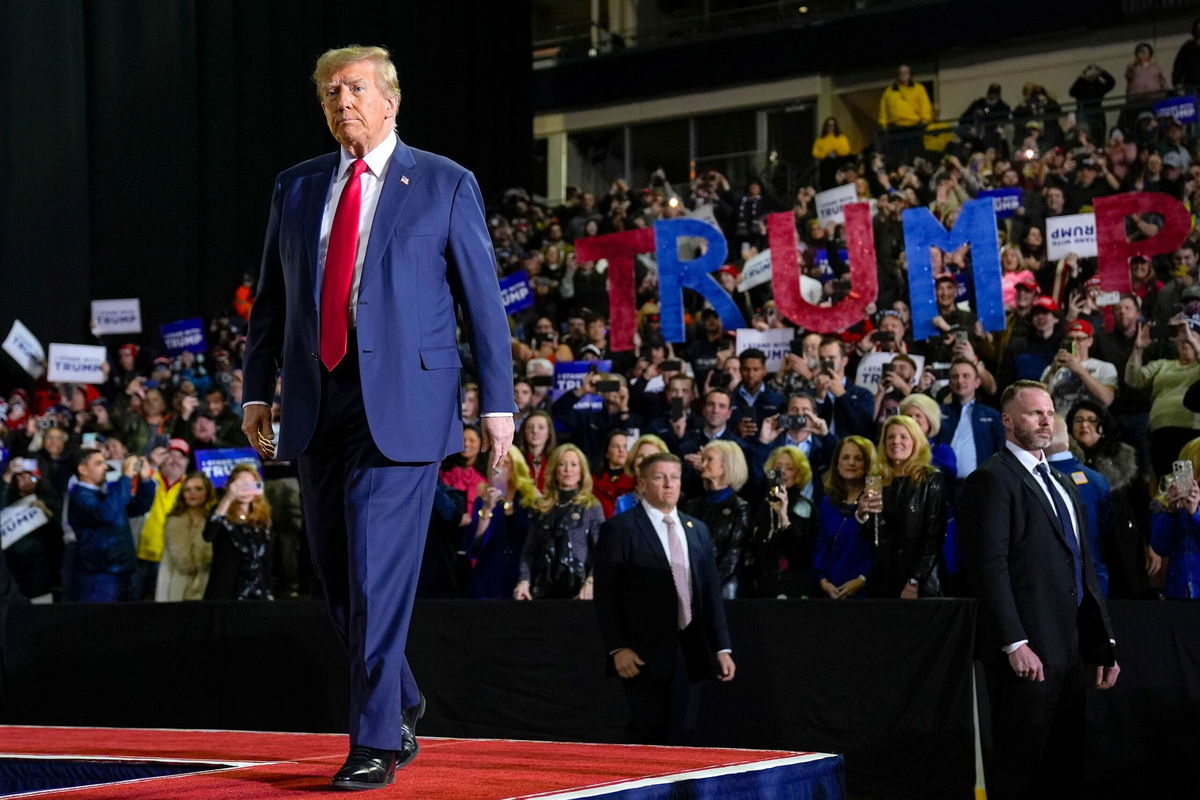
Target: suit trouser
662	709
1038	729
366	518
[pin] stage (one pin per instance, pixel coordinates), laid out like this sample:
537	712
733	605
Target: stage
118	763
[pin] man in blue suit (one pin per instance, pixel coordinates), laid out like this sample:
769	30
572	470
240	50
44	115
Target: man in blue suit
978	441
369	253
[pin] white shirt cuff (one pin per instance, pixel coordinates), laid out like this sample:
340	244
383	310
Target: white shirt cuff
255	403
1012	647
497	414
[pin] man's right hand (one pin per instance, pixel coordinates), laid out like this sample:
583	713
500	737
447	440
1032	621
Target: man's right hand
130	466
256	425
627	663
1026	664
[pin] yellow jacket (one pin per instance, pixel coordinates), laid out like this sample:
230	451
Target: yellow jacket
837	145
150	541
904	105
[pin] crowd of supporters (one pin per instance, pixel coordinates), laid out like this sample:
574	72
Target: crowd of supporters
817	478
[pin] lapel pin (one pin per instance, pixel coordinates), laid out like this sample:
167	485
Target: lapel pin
404	179
688	523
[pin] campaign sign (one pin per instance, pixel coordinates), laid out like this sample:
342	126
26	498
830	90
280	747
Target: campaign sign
1180	109
184	335
1005	201
774	342
756	271
76	363
217	464
1071	233
870	369
515	292
117	316
19	519
25	349
568	375
831	202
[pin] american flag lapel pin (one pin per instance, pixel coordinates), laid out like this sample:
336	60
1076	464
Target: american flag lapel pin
404	179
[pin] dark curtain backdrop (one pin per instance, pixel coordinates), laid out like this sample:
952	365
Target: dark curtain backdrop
141	137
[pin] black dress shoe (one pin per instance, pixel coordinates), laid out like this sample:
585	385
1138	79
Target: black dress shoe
366	768
408	734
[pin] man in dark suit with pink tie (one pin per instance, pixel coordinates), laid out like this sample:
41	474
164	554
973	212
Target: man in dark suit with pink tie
660	608
370	252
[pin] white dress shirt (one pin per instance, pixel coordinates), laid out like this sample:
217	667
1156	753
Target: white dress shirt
372	186
660	527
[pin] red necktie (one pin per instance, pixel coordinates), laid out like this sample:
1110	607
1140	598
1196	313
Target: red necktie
339	269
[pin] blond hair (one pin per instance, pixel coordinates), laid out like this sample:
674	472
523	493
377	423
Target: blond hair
645	438
522	479
549	498
918	465
733	462
332	61
798	459
929	408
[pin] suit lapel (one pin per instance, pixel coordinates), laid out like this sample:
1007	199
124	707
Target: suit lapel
695	548
314	190
1031	485
402	176
650	538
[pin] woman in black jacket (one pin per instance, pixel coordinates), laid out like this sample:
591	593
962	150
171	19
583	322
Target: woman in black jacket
723	470
913	523
779	554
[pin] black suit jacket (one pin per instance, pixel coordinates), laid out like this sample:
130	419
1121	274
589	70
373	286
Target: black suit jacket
635	596
1022	570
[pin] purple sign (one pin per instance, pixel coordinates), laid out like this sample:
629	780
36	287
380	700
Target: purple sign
186	334
515	292
1005	201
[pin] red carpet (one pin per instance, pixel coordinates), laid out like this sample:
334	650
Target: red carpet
279	765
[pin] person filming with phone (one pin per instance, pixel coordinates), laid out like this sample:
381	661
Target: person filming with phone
99	513
1074	375
1167	380
801	427
240	531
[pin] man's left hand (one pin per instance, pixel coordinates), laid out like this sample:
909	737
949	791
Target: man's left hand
1106	677
725	661
497	438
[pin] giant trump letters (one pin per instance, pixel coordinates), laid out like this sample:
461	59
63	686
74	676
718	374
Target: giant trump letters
975	226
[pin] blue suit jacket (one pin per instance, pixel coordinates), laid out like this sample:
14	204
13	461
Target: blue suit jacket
429	253
986	426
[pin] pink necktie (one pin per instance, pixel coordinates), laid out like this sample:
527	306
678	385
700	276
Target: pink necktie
678	557
339	269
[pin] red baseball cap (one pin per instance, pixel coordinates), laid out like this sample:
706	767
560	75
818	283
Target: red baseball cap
1080	326
730	269
1045	303
180	445
1029	286
944	276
